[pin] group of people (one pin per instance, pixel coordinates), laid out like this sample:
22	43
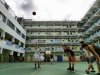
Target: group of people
89	49
12	59
40	57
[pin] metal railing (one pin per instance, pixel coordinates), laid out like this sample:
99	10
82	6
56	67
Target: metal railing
94	12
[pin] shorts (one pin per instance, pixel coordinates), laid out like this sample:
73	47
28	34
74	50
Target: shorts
72	59
36	58
90	60
41	58
51	59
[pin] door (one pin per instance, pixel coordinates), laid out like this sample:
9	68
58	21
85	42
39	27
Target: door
59	58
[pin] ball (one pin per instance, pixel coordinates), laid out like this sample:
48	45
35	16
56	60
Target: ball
34	13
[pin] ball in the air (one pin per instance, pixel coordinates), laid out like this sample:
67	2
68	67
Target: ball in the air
34	13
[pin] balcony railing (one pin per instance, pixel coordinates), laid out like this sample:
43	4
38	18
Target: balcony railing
94	12
97	34
9	43
92	26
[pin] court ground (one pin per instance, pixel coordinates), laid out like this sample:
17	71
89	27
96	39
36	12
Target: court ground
58	68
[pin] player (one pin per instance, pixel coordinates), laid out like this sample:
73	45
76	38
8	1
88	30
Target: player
51	58
42	57
95	50
37	55
71	57
89	58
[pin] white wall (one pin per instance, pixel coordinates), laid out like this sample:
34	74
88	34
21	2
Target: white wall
11	18
7	29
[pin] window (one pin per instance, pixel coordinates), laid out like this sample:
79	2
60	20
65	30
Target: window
10	24
18	31
23	36
2	17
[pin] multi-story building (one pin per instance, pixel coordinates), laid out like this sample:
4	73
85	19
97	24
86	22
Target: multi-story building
91	25
49	35
12	35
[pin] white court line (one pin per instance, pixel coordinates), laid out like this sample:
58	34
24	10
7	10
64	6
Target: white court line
73	71
11	68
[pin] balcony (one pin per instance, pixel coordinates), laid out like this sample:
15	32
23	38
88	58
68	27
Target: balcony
95	12
93	37
8	45
93	27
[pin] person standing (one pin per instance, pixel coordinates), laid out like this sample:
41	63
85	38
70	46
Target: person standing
42	58
51	58
37	55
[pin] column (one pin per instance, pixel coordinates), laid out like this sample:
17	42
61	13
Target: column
69	33
1	17
11	54
16	17
1	50
13	40
23	55
19	44
24	46
22	24
18	56
15	28
6	20
3	35
21	34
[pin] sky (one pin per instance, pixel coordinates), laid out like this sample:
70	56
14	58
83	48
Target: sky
51	10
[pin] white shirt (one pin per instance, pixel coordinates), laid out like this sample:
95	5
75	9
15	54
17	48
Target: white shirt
86	52
37	51
41	55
